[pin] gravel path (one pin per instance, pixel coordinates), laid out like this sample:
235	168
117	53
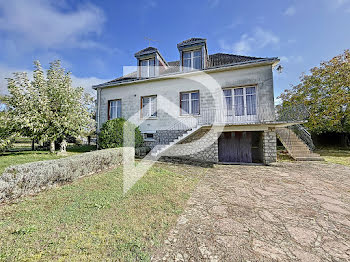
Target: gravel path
287	212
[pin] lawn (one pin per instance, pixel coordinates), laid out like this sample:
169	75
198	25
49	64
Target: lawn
90	219
16	158
335	155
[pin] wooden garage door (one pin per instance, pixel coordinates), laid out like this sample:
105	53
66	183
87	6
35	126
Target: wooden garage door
235	147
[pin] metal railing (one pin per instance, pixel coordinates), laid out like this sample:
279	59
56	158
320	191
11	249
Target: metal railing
245	115
304	135
221	116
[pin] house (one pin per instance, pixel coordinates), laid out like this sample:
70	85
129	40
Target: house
206	107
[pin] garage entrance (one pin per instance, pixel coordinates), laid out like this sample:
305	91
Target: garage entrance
240	147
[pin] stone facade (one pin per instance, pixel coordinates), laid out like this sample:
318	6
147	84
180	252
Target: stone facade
269	144
201	146
163	137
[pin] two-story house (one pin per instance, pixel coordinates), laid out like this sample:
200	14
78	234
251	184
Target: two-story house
218	107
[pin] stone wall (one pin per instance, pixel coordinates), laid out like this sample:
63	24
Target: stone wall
269	147
163	137
201	146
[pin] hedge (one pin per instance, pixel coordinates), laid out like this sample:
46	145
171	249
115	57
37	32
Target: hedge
119	132
30	178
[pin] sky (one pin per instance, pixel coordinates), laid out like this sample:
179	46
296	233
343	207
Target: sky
95	39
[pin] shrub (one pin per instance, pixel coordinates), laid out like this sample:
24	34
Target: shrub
30	178
112	134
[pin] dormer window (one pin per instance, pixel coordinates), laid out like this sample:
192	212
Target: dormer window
147	67
192	60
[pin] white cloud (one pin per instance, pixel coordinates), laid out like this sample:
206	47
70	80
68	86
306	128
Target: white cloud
336	4
41	24
292	59
213	3
259	39
290	11
85	82
339	3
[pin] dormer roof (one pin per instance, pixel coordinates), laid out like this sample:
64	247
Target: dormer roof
146	51
192	41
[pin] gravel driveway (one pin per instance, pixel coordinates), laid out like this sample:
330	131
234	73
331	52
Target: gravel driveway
287	212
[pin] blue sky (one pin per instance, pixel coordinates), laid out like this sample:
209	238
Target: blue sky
95	39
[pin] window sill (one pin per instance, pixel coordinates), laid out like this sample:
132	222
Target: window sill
184	116
149	140
149	118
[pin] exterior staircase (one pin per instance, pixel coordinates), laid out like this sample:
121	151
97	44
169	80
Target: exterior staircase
159	149
295	146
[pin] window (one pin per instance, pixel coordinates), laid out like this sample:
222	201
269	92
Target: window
251	100
189	103
114	109
192	60
148	106
147	67
148	136
240	101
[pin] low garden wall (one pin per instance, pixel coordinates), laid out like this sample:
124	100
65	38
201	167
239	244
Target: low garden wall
30	178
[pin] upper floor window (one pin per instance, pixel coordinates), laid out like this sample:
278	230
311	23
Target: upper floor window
147	67
240	101
114	109
149	106
189	103
192	60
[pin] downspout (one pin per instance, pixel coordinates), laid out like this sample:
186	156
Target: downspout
98	109
98	117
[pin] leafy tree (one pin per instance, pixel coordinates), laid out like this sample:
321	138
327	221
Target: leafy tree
7	135
48	108
324	96
112	134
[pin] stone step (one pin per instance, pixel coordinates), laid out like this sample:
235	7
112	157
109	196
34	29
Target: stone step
309	158
295	146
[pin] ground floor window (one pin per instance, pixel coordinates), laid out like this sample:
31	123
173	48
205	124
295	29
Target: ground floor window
114	109
189	103
149	136
148	106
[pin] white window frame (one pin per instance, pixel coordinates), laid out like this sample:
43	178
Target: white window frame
149	108
148	66
149	139
116	106
233	110
191	52
183	113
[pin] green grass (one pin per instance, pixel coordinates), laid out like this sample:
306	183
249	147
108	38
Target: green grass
335	155
16	158
91	220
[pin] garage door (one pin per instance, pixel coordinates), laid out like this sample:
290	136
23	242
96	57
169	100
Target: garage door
235	147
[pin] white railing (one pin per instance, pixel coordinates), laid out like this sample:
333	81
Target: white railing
213	116
222	116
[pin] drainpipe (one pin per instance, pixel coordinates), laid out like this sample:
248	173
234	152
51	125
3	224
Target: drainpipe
98	109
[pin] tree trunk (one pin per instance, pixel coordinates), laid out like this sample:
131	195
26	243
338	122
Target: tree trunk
343	140
63	146
89	140
33	144
52	146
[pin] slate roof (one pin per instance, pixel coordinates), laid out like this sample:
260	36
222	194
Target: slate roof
147	50
214	61
191	41
220	59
